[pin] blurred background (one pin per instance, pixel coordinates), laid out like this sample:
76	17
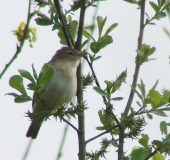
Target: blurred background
117	57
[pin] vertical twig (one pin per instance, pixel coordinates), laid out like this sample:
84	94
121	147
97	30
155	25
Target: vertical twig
137	67
134	83
64	26
81	117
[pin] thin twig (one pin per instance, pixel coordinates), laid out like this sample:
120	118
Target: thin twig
71	125
137	67
134	83
19	48
153	153
101	134
81	117
64	26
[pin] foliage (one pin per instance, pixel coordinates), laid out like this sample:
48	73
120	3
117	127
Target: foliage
131	123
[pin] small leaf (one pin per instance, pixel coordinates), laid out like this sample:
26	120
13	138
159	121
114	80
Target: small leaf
117	99
95	47
116	86
46	74
159	113
141	153
163	128
26	74
154	6
166	6
12	94
142	88
155	85
34	87
160	15
101	24
84	43
157	143
100	91
96	58
144	140
155	98
158	156
88	35
16	82
22	99
149	116
105	40
34	72
113	26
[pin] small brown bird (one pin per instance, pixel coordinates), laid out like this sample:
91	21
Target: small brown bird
61	87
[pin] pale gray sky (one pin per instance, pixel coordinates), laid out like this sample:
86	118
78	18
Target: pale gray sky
115	58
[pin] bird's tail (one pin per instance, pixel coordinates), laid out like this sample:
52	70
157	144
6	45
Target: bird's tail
33	130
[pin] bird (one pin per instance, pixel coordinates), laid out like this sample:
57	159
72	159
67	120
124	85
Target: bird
61	87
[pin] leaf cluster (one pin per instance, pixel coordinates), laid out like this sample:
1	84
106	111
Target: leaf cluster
31	35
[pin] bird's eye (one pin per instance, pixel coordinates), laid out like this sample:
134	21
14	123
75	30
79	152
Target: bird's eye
69	53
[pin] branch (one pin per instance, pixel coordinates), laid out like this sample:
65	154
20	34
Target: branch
81	117
98	85
64	26
154	152
137	67
71	125
134	83
19	48
99	135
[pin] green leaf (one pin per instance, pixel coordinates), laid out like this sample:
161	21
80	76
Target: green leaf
12	94
96	58
73	30
157	143
138	94
34	72
46	74
155	85
22	99
34	87
42	91
26	75
166	144
117	99
161	3
154	6
160	15
149	116
144	140
139	153
155	98
159	113
158	156
84	43
16	82
142	88
101	24
100	91
166	6
88	35
100	128
95	47
105	40
163	128
113	26
116	86
62	37
43	21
